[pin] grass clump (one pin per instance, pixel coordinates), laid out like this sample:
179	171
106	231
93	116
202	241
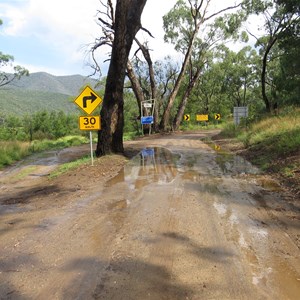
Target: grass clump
60	143
275	136
70	166
12	151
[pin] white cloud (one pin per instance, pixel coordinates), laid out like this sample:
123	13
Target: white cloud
66	26
63	25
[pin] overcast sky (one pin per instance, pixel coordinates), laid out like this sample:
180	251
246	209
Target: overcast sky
52	35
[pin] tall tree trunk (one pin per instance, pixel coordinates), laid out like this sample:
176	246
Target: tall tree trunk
264	73
182	105
136	87
127	24
148	59
166	115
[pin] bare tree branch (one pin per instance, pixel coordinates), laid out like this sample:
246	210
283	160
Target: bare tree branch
223	10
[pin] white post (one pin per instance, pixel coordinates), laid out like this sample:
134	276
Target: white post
91	143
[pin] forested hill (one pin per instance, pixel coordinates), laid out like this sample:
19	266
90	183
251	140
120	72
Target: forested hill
41	81
42	91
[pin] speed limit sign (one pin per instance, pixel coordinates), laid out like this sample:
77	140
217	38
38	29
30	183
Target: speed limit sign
89	123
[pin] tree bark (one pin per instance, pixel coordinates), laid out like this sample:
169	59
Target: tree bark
135	84
264	74
166	115
184	100
127	23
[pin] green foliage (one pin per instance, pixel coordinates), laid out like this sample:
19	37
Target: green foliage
22	102
230	130
272	137
41	125
68	141
18	71
12	151
131	114
69	166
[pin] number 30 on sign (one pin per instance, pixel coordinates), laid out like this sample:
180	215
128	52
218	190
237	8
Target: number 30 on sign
89	123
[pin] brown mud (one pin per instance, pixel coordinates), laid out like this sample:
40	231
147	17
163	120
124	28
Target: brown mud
178	220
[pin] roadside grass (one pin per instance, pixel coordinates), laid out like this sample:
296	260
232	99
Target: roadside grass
273	138
273	144
70	166
12	151
190	126
128	136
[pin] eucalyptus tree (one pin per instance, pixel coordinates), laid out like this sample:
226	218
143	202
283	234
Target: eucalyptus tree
185	24
196	64
281	18
7	60
208	94
125	25
289	45
240	74
165	72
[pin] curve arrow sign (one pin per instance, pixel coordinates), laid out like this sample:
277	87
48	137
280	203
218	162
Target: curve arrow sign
91	98
88	100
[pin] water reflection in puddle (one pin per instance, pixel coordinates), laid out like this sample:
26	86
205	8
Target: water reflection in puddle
161	166
231	164
151	165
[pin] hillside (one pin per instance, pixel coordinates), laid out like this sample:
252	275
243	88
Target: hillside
41	81
42	91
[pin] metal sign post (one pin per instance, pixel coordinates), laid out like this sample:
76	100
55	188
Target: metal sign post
88	101
147	106
239	113
91	144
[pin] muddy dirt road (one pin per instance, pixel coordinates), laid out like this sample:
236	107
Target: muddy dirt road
177	221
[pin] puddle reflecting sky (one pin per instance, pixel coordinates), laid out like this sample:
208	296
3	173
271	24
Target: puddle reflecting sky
234	165
161	166
151	165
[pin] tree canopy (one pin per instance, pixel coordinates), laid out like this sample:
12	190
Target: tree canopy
6	60
212	76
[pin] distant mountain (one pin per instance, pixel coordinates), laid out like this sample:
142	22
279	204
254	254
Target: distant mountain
41	81
42	91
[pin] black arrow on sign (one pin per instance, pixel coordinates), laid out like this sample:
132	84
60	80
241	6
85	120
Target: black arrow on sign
85	99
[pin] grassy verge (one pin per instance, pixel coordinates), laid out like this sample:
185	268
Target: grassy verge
273	144
273	138
12	151
69	166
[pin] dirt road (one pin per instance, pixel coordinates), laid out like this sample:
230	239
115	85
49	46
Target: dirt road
180	220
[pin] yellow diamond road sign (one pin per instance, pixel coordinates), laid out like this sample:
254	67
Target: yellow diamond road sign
88	100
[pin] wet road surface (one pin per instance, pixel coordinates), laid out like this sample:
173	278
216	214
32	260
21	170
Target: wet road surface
179	221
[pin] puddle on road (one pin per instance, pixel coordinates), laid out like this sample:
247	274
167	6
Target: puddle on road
231	164
41	164
160	165
151	165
